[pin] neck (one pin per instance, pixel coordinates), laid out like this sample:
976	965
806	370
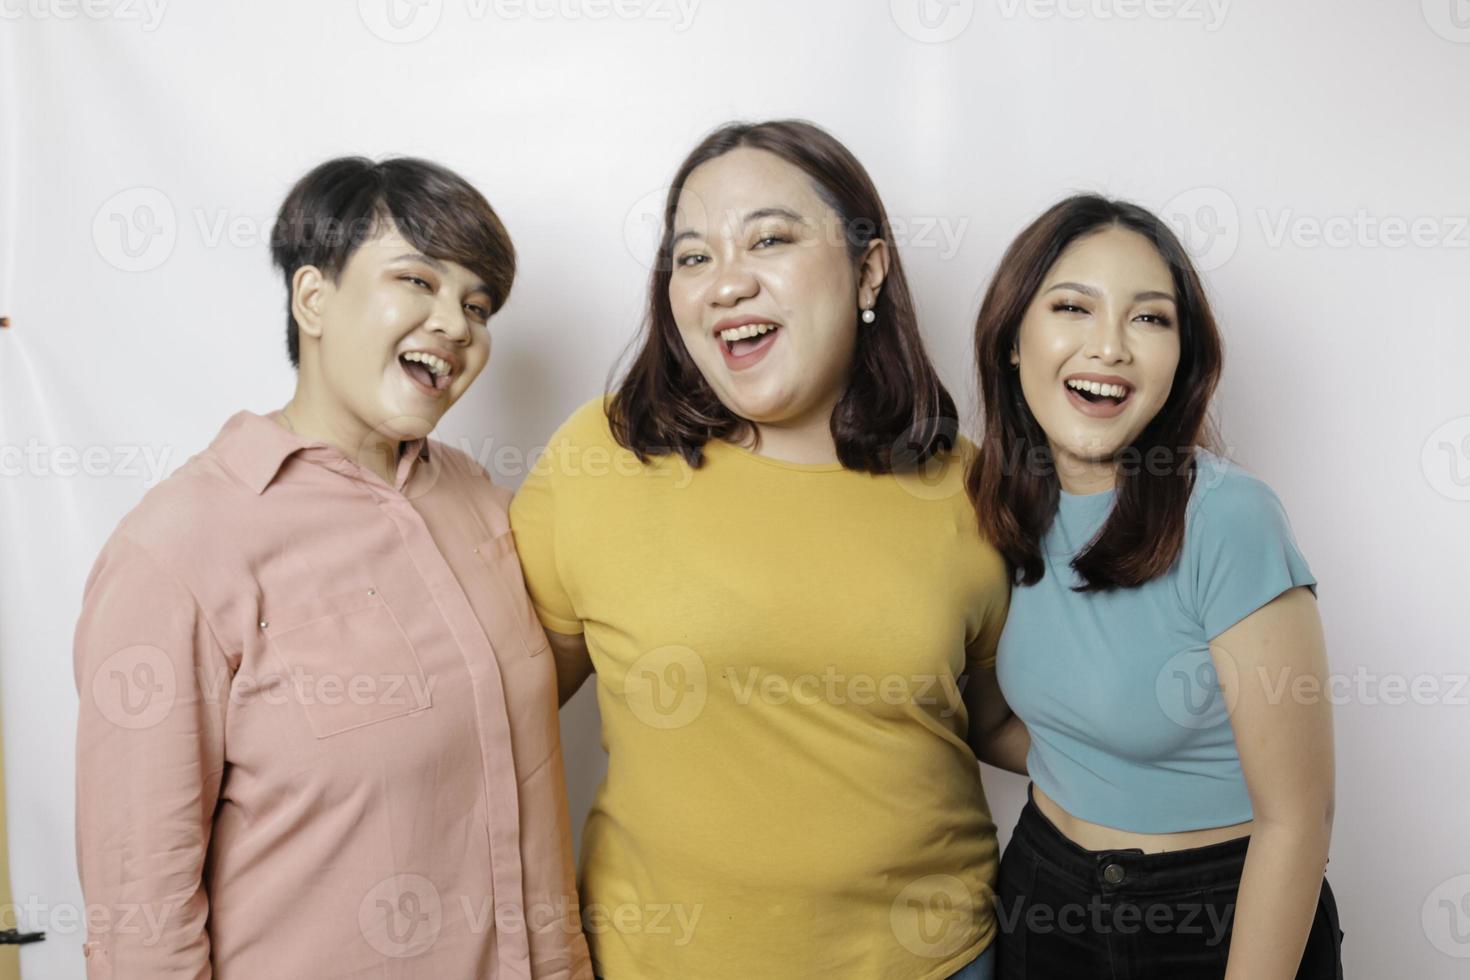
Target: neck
806	439
1083	476
314	421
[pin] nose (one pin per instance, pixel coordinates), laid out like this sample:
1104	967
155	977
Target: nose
733	283
449	320
1107	340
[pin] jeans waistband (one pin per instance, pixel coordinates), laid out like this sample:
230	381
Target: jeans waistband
1130	869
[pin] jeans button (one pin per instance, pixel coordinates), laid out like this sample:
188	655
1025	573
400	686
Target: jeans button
1113	874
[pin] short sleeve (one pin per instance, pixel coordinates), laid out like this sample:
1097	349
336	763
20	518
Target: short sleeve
982	651
995	578
1243	552
533	519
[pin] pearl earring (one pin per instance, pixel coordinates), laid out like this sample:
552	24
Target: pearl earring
869	316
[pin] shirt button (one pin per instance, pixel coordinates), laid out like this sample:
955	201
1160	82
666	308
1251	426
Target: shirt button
1113	874
263	624
372	591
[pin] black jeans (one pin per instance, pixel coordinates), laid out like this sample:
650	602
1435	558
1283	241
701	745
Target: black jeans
1067	913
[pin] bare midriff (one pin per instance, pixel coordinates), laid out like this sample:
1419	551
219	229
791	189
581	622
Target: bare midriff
1096	837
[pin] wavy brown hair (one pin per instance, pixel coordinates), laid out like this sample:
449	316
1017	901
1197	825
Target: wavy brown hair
895	412
1012	481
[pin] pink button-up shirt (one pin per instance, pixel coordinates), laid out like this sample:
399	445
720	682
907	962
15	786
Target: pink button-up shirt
318	731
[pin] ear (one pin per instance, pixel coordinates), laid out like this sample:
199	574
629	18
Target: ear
872	270
1015	356
309	290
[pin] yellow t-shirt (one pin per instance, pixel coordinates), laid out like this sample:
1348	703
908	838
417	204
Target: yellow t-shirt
778	650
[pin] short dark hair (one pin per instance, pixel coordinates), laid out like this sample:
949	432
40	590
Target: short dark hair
344	202
1012	480
895	413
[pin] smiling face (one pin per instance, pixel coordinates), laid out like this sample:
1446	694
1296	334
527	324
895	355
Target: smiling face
764	290
399	337
1097	351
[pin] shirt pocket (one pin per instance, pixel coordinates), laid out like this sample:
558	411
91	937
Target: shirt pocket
350	663
499	555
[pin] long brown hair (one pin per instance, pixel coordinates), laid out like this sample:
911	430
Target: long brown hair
1012	481
895	412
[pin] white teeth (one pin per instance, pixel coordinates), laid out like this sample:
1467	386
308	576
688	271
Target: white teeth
1097	388
437	365
749	330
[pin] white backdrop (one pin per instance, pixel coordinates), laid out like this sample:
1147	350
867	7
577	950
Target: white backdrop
1313	152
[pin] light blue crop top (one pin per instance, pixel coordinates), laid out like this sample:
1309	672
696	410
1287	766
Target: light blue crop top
1118	689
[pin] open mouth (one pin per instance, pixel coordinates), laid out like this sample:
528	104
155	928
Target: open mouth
1097	398
429	373
740	341
745	342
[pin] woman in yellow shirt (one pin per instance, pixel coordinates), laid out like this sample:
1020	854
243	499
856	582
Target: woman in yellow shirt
762	544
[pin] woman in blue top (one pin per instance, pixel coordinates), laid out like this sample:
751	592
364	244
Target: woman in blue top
1163	641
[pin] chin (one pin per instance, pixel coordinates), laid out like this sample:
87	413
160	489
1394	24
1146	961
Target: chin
405	414
1094	456
404	423
417	431
769	402
1093	450
762	411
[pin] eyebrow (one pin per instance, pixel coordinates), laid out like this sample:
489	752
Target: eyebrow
437	266
1089	291
774	211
